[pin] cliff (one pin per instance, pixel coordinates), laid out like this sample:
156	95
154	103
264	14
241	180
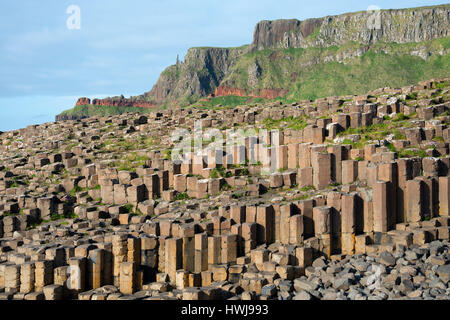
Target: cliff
293	59
201	72
368	27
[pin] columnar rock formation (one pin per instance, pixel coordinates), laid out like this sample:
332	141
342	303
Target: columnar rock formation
337	192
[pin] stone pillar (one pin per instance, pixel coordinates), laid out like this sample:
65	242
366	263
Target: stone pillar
127	277
349	171
134	251
188	252
95	268
250	214
404	169
304	155
161	254
236	229
27	277
173	257
367	201
182	279
201	252
237	213
321	170
414	194
361	241
60	276
306	210
337	155
334	201
249	235
281	157
265	219
322	228
303	257
229	248
296	229
381	206
348	223
120	252
430	197
12	278
43	274
293	156
388	171
285	215
322	220
53	292
214	250
77	275
149	258
444	196
305	177
180	182
107	268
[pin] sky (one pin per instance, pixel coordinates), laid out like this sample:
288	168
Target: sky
48	60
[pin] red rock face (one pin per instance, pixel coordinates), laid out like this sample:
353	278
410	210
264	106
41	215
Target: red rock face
222	91
115	102
264	93
83	102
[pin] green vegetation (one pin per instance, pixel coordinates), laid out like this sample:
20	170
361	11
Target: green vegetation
227	101
226	187
307	188
91	110
442	85
75	190
220	172
294	69
237	195
55	217
182	196
411	153
438	139
131	161
295	123
71	215
129	208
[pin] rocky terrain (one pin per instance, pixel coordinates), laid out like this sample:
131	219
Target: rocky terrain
345	197
295	60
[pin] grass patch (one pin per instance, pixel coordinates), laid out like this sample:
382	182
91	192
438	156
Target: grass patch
307	188
101	111
182	196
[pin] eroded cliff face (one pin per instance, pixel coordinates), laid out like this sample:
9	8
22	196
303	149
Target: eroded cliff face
198	76
368	27
208	72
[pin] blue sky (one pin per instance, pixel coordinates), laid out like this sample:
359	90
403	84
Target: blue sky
122	46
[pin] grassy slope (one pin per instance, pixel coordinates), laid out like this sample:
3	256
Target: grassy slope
292	69
90	110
